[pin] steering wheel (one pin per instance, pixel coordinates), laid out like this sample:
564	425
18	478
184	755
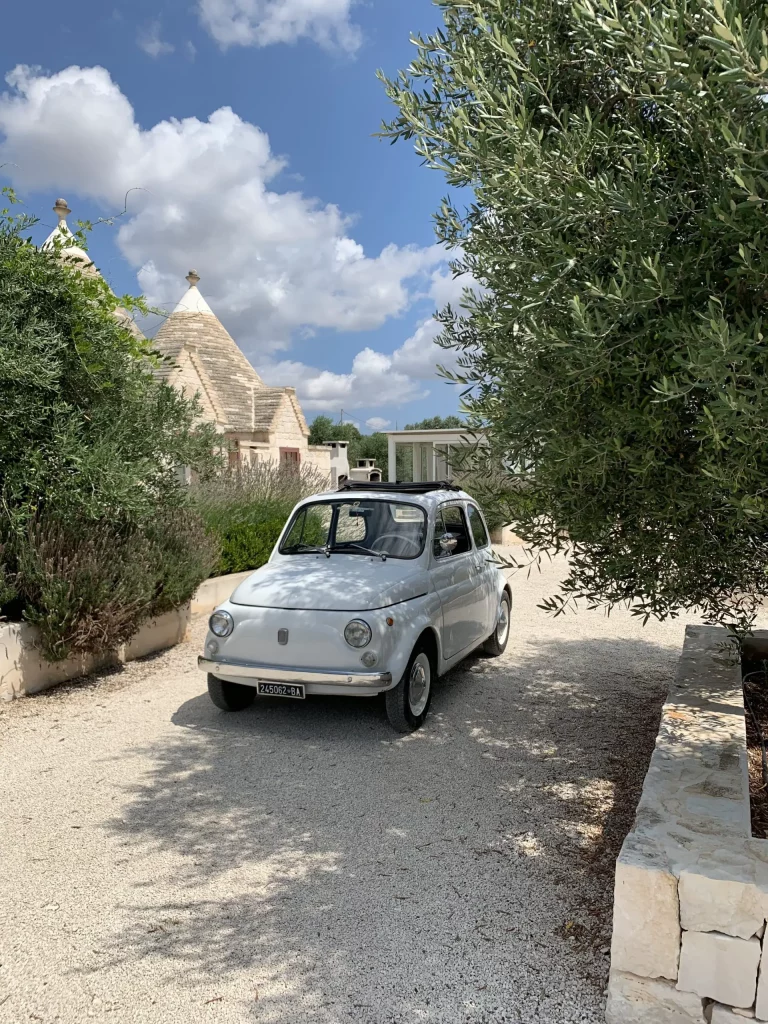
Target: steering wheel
399	537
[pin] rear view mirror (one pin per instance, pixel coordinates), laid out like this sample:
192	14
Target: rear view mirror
448	543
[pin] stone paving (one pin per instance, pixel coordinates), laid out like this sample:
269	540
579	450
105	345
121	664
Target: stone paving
163	862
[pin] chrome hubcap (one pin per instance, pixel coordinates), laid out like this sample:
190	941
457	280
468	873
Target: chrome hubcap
502	626
418	685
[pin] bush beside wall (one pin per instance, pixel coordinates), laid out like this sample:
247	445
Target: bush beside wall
246	510
96	529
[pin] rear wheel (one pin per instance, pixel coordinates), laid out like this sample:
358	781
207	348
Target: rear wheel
408	703
497	642
230	696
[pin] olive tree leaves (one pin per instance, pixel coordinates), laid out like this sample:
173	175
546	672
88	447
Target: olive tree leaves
618	157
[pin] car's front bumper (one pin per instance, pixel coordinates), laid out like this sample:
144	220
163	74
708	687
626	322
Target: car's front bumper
319	681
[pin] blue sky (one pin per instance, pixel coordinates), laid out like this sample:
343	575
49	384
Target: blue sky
246	127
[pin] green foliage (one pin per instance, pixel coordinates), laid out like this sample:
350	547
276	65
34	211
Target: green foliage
370	446
361	446
183	553
437	423
90	498
88	587
85	589
247	510
618	153
322	429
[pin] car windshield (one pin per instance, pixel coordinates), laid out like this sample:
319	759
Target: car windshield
367	526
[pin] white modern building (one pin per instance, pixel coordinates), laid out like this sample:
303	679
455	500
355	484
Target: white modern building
433	454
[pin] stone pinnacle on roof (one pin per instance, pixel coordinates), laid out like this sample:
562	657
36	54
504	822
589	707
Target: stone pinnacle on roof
61	236
62	210
192	301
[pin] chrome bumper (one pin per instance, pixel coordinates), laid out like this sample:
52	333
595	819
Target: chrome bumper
250	673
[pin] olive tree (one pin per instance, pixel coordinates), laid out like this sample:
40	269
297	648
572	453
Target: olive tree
617	154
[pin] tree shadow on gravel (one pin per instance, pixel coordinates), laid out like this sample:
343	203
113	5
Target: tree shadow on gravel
305	853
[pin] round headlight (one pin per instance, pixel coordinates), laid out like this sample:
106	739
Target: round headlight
357	633
221	623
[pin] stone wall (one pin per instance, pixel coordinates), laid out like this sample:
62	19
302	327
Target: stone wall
24	671
286	430
691	894
186	379
320	457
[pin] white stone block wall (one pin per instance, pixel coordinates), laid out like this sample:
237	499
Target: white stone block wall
24	671
691	892
286	430
320	457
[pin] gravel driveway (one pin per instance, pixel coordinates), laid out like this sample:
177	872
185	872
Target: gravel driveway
163	862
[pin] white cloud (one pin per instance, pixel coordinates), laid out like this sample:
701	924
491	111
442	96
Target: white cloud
264	22
419	355
446	289
150	42
370	382
377	423
273	263
375	379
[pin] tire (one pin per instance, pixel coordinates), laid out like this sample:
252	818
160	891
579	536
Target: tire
230	696
408	703
496	643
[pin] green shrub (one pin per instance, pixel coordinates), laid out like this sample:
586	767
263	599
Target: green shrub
7	587
247	509
183	553
247	544
96	530
88	587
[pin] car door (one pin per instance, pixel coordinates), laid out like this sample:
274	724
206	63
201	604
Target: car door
457	582
485	566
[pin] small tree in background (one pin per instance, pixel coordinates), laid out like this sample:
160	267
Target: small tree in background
437	423
618	154
361	446
90	443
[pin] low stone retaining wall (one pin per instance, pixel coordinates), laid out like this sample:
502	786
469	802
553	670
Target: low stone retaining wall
691	895
216	590
24	671
505	537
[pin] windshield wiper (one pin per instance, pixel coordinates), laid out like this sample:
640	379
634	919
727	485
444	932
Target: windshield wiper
301	549
336	548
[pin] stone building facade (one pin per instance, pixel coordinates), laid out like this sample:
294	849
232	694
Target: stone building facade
260	423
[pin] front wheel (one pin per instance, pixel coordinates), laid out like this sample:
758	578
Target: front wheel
496	643
408	702
230	696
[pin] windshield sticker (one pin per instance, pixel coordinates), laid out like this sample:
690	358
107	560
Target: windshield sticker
404	514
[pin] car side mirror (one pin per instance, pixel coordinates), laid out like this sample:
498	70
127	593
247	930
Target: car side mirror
447	543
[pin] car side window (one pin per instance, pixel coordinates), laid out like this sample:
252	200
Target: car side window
479	532
451	521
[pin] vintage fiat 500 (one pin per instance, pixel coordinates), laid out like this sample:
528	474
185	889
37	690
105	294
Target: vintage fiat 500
375	588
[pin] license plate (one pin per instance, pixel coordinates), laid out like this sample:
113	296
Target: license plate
295	690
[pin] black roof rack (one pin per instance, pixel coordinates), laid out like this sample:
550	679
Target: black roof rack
399	488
